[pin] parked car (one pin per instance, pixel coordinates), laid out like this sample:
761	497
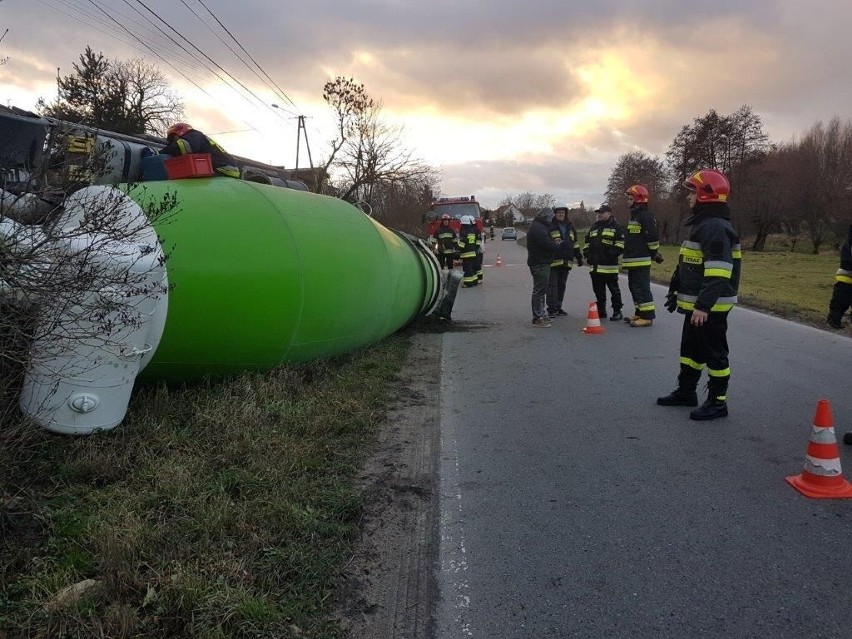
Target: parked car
509	233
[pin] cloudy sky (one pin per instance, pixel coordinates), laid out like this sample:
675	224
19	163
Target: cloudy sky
503	96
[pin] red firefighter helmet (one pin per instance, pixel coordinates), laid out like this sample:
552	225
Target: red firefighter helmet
178	130
639	193
709	185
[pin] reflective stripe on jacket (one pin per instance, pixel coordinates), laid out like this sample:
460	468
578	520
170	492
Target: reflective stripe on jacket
604	244
446	238
642	240
467	242
708	271
570	246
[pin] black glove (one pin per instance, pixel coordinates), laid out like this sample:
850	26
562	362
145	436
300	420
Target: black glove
658	258
579	261
671	301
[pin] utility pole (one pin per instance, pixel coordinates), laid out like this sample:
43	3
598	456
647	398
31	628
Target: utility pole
299	131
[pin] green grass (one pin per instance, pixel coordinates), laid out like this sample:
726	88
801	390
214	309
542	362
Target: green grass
793	285
225	510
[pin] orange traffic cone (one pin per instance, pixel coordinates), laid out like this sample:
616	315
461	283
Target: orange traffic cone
593	322
499	260
822	477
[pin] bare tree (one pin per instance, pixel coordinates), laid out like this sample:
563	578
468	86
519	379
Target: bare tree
376	156
824	172
367	155
527	204
350	102
130	96
638	167
400	205
734	144
544	200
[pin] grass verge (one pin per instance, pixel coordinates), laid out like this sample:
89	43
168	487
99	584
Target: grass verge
224	510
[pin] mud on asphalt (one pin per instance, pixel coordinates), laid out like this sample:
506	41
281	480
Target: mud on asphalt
388	590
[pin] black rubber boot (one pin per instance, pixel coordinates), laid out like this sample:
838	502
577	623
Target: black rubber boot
684	394
834	321
711	409
715	405
679	397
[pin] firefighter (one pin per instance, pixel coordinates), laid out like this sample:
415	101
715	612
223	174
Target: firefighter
563	233
467	243
641	246
447	240
183	140
841	297
602	248
704	288
480	255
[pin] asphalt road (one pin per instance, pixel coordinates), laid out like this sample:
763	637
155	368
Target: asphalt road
573	506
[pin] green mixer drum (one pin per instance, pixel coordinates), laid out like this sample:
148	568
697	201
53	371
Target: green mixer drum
264	275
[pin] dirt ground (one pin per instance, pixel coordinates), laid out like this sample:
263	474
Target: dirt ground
388	589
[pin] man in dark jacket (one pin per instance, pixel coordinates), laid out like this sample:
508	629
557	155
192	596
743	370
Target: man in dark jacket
841	297
704	288
183	140
641	246
604	244
563	259
541	248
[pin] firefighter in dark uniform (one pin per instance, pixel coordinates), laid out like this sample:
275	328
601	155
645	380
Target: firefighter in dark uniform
467	243
602	248
183	140
480	239
641	246
704	288
446	238
841	297
563	233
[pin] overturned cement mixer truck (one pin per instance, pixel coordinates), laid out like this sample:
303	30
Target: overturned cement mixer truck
177	279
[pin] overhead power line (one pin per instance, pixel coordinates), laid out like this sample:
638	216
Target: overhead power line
281	93
171	51
113	29
140	41
204	55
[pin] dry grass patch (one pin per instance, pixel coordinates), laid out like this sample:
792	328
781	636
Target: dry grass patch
224	510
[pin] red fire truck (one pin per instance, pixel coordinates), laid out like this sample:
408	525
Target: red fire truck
455	207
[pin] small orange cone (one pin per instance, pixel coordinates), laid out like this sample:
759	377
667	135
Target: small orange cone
593	322
499	260
822	477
